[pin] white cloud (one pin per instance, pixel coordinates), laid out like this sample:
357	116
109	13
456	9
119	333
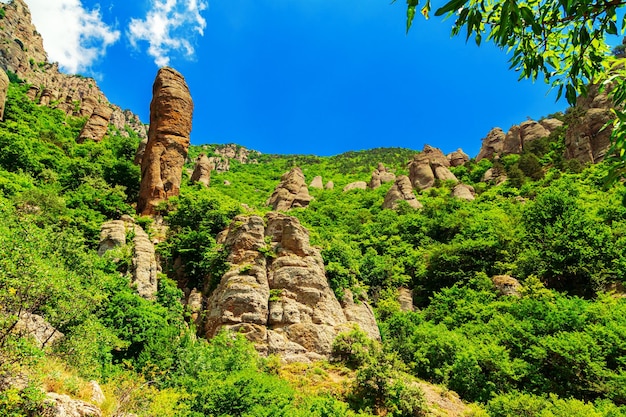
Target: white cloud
73	36
168	27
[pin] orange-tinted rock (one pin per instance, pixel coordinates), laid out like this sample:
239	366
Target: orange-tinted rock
171	111
4	88
97	124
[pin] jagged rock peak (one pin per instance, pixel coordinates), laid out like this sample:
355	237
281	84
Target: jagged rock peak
427	166
162	163
291	192
402	190
202	170
380	176
22	52
276	291
144	265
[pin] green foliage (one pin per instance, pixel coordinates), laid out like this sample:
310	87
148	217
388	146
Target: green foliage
354	348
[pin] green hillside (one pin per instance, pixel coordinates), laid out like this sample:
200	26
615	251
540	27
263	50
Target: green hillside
557	348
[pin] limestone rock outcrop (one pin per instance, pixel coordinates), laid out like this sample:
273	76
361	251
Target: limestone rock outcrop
405	298
291	192
4	87
22	52
236	152
585	138
168	140
492	144
402	190
317	183
144	267
61	405
464	192
282	302
357	185
458	158
202	170
97	124
381	176
427	166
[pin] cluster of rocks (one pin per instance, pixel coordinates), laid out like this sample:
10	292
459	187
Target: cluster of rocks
144	268
291	192
165	152
277	294
22	52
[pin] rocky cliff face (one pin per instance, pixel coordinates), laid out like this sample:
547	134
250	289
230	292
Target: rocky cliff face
4	86
429	165
168	140
292	191
144	268
276	291
22	52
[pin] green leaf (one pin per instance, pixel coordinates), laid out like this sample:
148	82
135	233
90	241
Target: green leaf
451	6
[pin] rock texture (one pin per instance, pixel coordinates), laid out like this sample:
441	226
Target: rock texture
317	183
282	302
497	143
202	170
405	298
402	190
36	327
291	192
171	111
464	192
4	87
429	165
330	185
357	185
61	405
380	176
22	52
506	285
144	268
97	124
458	158
585	140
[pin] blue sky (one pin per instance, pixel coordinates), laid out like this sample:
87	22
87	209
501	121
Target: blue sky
298	76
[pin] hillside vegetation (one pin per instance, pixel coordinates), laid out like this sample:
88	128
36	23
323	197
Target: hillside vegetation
556	348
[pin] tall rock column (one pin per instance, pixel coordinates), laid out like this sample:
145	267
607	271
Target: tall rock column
4	88
171	110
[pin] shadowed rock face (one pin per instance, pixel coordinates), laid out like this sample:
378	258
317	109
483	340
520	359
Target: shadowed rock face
291	192
282	302
97	124
458	158
427	166
464	192
171	111
202	170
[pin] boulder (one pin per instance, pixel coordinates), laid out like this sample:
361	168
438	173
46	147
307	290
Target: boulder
361	313
38	328
61	405
291	192
112	235
381	176
492	144
506	285
329	185
464	192
401	190
171	112
427	166
97	124
357	185
4	88
458	158
202	170
531	130
276	292
317	183
551	124
405	298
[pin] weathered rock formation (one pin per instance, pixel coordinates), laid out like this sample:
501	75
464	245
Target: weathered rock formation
144	267
329	185
464	192
317	183
282	302
237	152
22	52
585	139
506	285
497	143
61	405
36	327
168	140
429	165
405	298
402	190
380	176
4	87
202	170
458	158
291	192
97	124
357	185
